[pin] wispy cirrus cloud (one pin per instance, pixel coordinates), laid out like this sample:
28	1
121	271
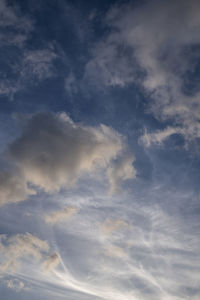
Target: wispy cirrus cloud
156	43
21	66
146	260
15	27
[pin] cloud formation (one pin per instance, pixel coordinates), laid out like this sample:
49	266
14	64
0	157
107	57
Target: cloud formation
51	262
13	188
60	215
121	170
21	66
109	226
15	27
15	284
157	43
53	152
13	249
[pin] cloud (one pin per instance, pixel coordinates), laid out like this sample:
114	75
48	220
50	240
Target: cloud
53	152
71	84
115	251
20	66
15	284
16	27
38	63
121	170
156	42
60	215
30	67
109	226
109	66
13	188
159	136
51	262
15	248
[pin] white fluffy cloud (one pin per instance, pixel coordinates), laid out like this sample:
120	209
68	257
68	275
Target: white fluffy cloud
53	152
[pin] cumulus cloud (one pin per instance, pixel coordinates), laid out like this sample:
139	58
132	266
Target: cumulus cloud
53	152
51	262
157	43
60	215
13	249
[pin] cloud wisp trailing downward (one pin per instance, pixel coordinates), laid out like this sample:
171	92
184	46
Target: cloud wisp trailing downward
51	262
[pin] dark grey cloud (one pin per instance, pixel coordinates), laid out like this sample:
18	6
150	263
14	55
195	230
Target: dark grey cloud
52	152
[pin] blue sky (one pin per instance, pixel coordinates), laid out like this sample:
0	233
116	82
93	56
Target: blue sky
99	143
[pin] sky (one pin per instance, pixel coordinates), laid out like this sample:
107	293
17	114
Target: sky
99	143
